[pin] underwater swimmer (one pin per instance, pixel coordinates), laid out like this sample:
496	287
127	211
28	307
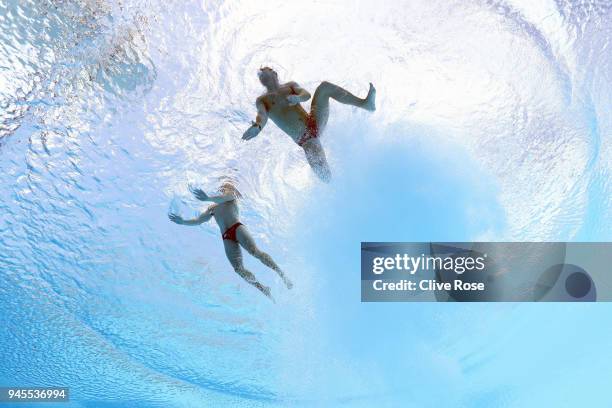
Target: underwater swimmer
234	234
282	104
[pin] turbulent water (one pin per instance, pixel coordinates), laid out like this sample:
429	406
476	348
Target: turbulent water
493	123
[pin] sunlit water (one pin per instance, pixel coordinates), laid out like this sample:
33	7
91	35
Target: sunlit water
493	123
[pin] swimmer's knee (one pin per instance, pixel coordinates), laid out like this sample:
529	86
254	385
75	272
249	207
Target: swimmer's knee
246	275
261	255
250	247
325	86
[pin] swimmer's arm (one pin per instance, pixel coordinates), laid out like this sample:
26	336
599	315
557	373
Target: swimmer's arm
260	120
202	196
262	113
205	216
299	94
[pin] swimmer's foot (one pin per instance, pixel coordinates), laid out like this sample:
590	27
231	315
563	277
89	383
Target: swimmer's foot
370	100
288	283
266	291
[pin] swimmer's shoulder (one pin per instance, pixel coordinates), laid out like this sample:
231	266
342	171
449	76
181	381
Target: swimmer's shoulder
266	100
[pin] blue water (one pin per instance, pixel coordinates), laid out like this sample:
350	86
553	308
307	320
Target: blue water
493	123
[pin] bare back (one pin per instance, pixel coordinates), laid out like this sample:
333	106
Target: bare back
226	214
289	118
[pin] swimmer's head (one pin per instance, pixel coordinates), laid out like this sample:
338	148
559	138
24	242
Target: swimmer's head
229	188
268	77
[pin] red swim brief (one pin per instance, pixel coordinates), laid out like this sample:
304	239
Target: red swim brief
230	233
312	131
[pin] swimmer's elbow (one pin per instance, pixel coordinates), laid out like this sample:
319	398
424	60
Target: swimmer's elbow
202	219
303	94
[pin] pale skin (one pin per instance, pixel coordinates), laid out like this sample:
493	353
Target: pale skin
281	104
225	212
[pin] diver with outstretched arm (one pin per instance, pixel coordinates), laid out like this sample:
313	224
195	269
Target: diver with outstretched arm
282	104
234	233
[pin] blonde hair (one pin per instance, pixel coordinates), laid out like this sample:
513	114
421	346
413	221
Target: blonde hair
229	187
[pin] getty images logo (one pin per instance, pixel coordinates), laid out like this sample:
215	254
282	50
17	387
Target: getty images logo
486	271
412	264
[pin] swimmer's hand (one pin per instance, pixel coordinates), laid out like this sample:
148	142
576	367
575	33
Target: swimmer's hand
293	99
251	132
199	193
175	218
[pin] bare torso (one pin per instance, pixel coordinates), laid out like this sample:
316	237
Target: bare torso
226	214
289	118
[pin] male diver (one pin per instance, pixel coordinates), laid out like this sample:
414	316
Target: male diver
282	104
234	233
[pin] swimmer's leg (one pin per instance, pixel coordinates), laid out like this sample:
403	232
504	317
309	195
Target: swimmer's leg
319	107
247	242
317	160
234	256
